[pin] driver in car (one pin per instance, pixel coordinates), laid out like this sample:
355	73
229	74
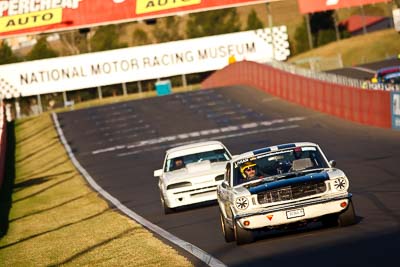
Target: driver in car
178	164
249	171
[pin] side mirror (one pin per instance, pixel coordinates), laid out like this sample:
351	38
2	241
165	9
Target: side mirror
224	184
332	163
158	173
219	177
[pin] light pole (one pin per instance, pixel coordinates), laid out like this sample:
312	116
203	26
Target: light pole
363	19
271	25
334	15
310	42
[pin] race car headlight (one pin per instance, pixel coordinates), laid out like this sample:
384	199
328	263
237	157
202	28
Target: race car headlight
178	185
242	203
340	184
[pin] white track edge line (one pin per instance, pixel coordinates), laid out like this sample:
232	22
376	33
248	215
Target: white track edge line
192	249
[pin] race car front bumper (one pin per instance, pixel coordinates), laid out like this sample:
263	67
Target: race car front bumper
293	212
191	195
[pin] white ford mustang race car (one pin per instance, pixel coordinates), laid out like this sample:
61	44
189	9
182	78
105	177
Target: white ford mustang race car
282	185
191	174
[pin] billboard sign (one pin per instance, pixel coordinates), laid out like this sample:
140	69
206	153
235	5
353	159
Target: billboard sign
21	17
141	62
311	6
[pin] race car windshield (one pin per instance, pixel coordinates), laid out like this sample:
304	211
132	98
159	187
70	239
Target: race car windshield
212	155
278	163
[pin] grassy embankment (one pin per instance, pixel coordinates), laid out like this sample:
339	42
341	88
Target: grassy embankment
56	219
358	50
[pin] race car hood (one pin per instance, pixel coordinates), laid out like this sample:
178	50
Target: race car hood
318	176
195	171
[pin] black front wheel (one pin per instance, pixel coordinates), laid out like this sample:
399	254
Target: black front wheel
348	217
242	236
167	210
226	230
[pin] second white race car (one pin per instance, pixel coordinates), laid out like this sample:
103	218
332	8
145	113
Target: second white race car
191	174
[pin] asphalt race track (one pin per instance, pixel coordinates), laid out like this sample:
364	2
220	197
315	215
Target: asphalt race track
120	145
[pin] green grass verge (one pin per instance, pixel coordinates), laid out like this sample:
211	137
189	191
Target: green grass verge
358	50
56	219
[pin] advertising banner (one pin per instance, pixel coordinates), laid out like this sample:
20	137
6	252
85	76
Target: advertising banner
141	62
311	6
395	96
20	17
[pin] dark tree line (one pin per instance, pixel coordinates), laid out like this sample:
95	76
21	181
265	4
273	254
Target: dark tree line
40	50
322	27
164	30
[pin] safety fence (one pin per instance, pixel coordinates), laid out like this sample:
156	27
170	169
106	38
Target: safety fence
371	107
334	78
3	142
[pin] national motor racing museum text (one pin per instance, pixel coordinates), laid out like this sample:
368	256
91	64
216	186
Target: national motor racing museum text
125	65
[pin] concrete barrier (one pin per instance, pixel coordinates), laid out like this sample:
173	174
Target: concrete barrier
371	107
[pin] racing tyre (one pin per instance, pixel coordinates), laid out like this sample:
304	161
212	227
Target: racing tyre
242	236
348	217
226	230
167	210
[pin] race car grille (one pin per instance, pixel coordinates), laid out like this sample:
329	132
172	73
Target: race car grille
291	192
198	190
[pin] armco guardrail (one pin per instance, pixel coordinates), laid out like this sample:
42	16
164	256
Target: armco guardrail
371	107
3	132
334	78
322	76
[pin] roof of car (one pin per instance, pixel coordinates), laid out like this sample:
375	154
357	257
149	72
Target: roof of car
195	147
388	70
392	75
273	148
